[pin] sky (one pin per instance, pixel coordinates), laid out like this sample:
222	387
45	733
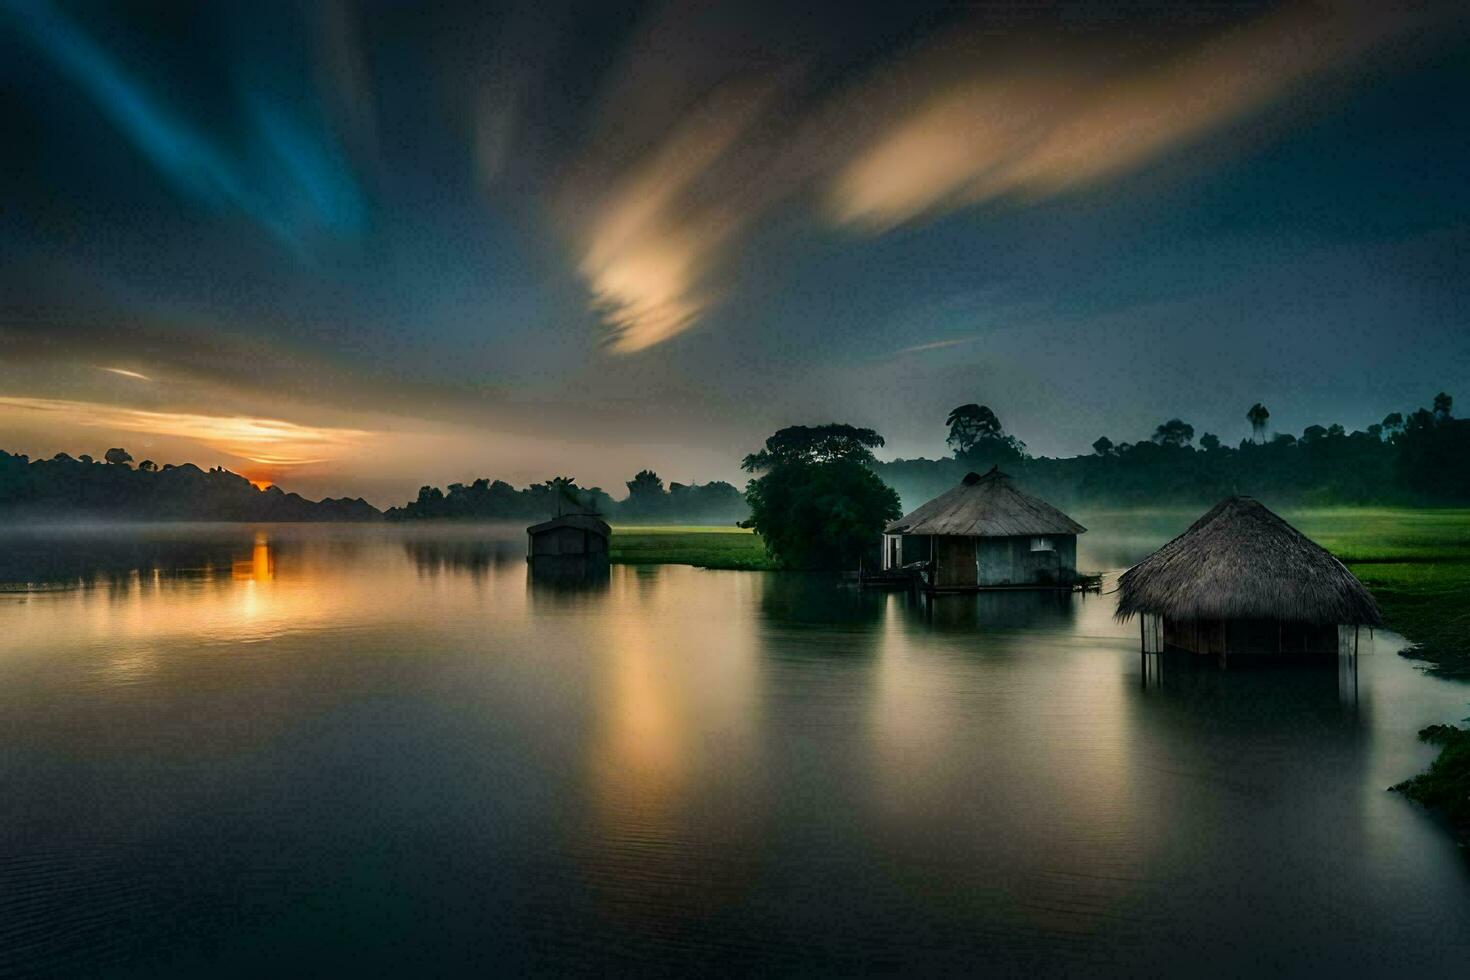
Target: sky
356	247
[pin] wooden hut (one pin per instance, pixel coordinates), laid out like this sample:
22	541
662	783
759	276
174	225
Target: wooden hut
984	533
571	537
1243	581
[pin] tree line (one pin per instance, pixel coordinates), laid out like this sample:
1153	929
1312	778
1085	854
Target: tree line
819	496
648	500
1421	457
112	489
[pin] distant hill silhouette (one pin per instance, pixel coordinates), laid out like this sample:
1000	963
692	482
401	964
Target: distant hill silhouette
63	487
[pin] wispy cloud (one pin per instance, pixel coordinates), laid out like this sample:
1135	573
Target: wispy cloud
125	373
959	121
934	345
1068	117
648	245
270	442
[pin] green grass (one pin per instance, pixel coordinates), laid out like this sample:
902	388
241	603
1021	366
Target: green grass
1417	564
680	544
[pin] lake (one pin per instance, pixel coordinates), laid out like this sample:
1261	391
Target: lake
281	749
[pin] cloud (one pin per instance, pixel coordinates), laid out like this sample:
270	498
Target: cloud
648	244
968	117
267	441
1031	127
125	373
934	345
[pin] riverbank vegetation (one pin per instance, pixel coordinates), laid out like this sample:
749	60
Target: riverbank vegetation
1417	564
1415	458
1446	786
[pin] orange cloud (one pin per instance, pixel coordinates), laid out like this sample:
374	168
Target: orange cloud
1030	132
269	442
954	123
649	243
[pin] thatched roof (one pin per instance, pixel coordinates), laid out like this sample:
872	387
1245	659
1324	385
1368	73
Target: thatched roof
585	522
986	506
1240	561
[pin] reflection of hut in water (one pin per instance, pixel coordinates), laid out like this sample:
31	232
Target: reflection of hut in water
570	547
984	533
1243	581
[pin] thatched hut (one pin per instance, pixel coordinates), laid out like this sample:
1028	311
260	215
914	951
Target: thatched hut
985	533
1242	580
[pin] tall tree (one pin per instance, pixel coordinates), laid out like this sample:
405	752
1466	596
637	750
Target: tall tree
968	425
1443	406
1258	416
977	437
814	444
1175	432
646	495
816	503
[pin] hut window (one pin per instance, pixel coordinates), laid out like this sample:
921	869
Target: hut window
1042	544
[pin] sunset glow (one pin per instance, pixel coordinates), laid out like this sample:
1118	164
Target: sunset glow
272	442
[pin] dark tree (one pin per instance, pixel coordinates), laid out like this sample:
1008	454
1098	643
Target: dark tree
645	485
814	444
1443	406
117	457
1174	433
1209	442
817	504
148	466
1393	423
1103	446
1258	416
969	425
1312	433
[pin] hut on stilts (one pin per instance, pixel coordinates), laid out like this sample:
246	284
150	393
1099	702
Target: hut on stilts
1243	581
984	534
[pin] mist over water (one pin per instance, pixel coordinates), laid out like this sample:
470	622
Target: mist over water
387	749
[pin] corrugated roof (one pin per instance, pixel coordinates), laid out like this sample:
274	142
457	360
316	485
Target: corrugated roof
986	506
1241	561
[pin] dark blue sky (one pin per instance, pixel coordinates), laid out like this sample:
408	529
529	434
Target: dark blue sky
358	247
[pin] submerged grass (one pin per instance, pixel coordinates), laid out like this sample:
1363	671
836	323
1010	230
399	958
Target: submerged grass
702	546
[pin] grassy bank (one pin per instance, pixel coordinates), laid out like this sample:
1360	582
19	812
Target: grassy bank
705	547
1417	563
1446	786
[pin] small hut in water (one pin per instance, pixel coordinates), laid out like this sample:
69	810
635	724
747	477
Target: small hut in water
1242	580
985	533
570	544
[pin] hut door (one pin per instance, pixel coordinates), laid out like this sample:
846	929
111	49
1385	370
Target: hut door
956	561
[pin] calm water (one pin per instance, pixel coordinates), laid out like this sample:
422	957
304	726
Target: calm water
276	749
